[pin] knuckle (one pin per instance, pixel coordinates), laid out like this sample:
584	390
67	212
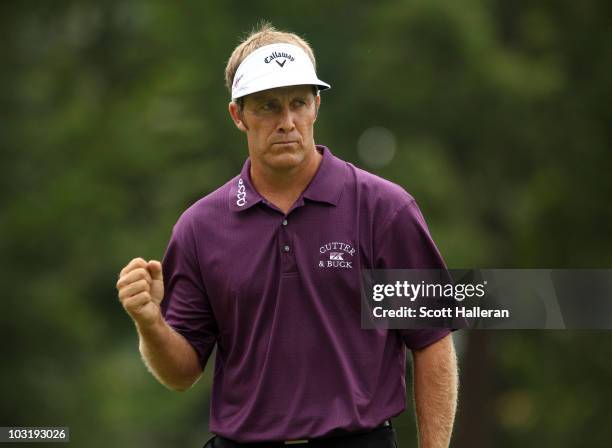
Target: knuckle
142	273
120	283
129	302
137	300
134	264
129	305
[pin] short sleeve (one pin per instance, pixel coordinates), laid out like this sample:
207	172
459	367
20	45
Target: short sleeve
186	307
404	242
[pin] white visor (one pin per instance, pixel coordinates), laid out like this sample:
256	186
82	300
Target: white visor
276	65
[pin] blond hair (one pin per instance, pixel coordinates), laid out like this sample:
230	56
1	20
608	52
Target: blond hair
264	34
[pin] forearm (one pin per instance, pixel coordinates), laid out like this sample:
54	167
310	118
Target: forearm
435	392
168	355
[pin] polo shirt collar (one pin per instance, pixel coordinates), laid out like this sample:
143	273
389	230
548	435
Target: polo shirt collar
326	186
242	194
328	182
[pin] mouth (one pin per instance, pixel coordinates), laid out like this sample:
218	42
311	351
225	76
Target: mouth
289	142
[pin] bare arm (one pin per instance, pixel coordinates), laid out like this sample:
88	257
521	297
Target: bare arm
435	392
167	354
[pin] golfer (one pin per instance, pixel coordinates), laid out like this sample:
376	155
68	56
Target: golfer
268	269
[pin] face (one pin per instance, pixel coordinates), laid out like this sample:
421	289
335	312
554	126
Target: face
279	125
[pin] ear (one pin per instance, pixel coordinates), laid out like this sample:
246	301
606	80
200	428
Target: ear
317	105
236	116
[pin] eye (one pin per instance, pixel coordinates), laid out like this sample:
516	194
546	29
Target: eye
299	103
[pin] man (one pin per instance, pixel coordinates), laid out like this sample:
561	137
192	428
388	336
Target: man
268	268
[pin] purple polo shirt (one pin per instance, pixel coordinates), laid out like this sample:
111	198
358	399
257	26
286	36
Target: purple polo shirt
280	296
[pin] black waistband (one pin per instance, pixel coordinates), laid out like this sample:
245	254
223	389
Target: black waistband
335	436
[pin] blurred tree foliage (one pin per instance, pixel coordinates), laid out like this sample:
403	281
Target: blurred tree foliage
113	120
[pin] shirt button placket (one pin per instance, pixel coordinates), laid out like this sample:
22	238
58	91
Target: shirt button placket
286	247
288	256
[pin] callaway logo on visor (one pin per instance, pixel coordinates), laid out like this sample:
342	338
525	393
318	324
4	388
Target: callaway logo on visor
275	56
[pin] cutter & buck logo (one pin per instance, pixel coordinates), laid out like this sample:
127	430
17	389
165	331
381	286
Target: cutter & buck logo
336	255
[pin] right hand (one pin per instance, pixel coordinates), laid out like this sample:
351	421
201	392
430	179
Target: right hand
141	290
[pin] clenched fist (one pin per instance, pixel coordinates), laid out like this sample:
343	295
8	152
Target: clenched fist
141	290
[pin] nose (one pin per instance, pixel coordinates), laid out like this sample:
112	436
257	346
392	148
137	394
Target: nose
285	121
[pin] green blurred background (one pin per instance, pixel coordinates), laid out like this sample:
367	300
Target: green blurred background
494	114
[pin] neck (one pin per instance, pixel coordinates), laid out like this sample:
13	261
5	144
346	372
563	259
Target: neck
283	187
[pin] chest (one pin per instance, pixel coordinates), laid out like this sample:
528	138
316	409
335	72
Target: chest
262	257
